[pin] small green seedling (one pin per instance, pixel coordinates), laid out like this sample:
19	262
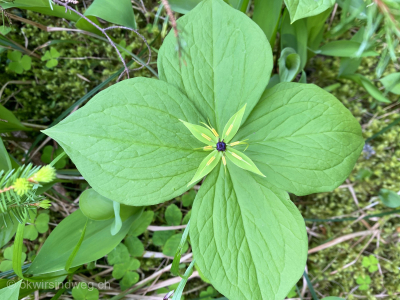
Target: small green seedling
124	265
364	282
40	225
83	292
19	63
51	57
6	264
371	263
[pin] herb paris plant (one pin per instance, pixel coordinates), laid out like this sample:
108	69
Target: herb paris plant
140	142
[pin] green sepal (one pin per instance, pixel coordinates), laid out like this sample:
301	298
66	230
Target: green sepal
204	169
245	163
199	132
232	126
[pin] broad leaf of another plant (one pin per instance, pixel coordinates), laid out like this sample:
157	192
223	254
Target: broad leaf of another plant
8	122
118	12
248	238
300	9
205	72
11	292
392	83
302	138
63	239
119	145
294	35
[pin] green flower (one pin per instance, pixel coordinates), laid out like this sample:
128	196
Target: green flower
147	146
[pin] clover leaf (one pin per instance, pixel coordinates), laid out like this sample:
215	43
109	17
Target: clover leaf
157	138
124	265
83	292
364	282
51	57
49	153
40	225
18	62
371	263
6	264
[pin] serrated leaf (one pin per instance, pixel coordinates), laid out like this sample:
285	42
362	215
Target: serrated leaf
242	161
233	125
300	9
302	138
206	166
253	229
205	72
133	150
201	133
173	215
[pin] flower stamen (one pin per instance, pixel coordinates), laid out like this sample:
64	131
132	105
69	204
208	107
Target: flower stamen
206	137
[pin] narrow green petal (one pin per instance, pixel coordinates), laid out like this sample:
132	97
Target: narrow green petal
206	166
242	161
232	127
201	133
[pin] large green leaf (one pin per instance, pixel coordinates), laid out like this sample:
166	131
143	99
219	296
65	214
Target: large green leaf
222	67
97	242
302	138
117	12
11	292
248	238
300	9
129	144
